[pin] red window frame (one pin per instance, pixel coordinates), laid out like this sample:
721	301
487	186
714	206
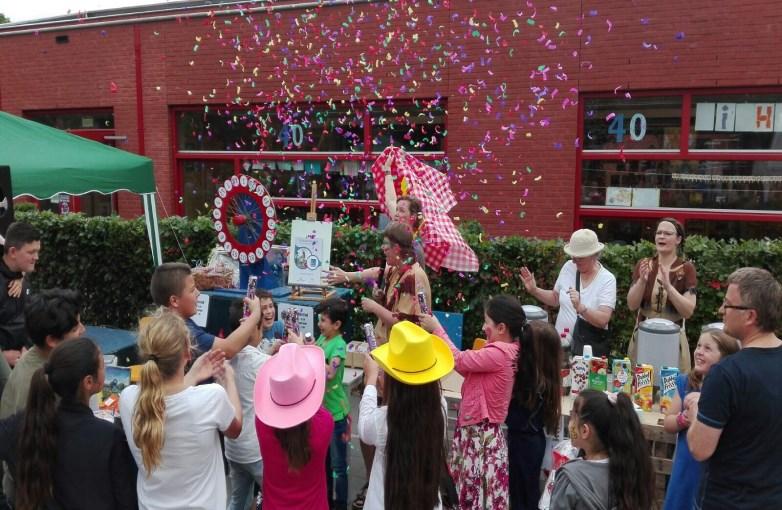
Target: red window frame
684	154
178	157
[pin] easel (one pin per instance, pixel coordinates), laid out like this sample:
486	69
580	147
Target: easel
301	292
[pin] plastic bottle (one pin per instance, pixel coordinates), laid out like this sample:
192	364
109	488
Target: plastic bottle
564	340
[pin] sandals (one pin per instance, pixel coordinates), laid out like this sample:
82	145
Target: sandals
358	503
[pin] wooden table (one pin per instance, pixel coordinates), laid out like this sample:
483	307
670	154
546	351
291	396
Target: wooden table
661	443
352	377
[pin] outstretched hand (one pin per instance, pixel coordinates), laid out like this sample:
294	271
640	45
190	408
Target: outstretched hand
206	366
336	276
529	280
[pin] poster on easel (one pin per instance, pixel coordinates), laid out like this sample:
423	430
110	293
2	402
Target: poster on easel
309	257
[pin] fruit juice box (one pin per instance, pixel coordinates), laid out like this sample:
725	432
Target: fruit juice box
623	376
668	377
598	372
643	388
579	375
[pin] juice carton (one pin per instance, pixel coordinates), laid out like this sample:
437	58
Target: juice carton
668	377
579	375
643	389
564	373
598	369
623	376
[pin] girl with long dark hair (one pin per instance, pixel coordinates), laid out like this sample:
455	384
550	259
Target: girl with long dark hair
534	409
616	469
409	432
399	284
479	452
293	428
62	456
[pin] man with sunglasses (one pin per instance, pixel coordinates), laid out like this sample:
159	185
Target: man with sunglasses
737	418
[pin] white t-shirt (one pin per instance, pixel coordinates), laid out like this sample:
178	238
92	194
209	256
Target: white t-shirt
245	448
373	430
600	292
191	473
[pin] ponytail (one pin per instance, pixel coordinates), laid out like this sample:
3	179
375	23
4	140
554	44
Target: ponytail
149	416
62	375
162	342
37	445
295	442
619	430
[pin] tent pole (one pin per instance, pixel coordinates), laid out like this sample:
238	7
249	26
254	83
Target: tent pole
153	230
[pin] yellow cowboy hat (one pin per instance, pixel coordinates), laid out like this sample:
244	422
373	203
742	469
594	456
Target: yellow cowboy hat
413	356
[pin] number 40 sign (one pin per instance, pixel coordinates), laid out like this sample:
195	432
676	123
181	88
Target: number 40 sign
636	127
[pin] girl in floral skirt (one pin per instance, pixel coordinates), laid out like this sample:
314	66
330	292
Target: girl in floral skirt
479	453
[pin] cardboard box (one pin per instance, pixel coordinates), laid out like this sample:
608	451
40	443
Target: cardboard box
355	354
452	382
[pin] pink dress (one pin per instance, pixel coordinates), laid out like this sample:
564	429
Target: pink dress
284	489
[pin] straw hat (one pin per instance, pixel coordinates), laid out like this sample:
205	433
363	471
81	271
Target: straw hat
413	356
583	243
289	387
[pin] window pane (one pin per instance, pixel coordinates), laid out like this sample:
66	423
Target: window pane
621	230
736	122
646	123
748	185
354	215
735	229
201	180
96	204
415	127
265	128
87	119
337	179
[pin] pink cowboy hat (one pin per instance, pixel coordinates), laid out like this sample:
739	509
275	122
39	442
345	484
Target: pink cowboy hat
289	387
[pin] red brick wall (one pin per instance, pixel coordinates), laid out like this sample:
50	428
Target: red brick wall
700	44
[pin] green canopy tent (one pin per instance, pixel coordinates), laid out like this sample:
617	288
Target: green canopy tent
46	161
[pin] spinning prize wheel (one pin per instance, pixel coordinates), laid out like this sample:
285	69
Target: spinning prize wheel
244	218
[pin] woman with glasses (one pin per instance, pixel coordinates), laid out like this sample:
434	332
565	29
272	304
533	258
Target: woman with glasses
665	286
585	293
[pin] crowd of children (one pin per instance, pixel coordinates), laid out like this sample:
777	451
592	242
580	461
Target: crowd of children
278	400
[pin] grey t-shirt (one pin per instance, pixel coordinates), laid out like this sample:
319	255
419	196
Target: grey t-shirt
582	485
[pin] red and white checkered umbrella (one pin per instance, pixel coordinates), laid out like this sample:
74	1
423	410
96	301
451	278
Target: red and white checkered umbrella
444	246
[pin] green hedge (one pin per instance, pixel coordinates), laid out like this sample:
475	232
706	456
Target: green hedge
108	260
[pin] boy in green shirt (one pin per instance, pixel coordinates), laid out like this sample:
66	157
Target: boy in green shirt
332	315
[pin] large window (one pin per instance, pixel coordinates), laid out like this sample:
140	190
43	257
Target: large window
95	124
723	179
288	147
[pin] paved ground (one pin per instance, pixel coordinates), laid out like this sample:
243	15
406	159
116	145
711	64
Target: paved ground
357	474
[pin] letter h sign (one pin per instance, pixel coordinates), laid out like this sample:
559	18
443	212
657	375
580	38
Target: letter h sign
762	117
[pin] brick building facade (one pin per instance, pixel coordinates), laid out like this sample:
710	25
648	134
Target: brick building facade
520	103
